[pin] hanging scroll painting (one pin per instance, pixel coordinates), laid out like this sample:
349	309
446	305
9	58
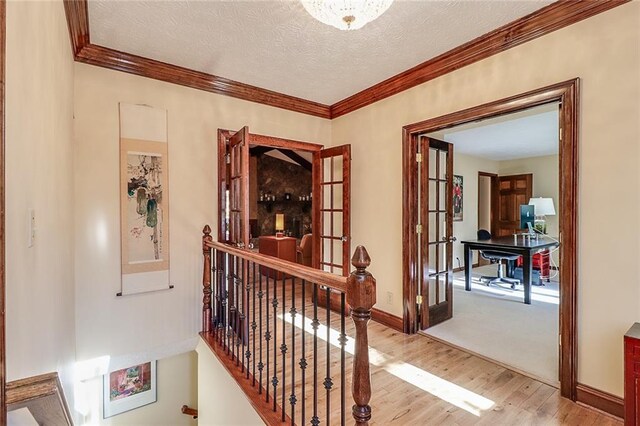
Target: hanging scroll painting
144	199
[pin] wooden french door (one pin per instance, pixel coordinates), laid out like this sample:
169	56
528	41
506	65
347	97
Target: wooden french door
237	159
512	191
331	209
434	233
238	166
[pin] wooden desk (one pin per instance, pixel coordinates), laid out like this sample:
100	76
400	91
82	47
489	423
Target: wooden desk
281	247
526	249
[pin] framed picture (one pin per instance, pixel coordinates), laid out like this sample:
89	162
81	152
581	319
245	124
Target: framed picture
457	198
129	388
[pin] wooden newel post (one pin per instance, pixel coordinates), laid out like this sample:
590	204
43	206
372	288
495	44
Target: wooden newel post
206	280
361	296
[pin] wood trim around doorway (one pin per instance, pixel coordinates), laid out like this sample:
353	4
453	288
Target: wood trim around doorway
567	94
254	139
3	43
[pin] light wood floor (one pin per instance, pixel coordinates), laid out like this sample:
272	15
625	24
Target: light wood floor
416	380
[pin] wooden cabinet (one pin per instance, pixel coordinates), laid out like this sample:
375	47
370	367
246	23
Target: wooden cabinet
632	376
281	247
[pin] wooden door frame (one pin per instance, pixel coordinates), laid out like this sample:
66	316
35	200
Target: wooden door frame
3	42
567	94
260	140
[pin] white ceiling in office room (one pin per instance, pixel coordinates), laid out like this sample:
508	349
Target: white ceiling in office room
277	45
530	133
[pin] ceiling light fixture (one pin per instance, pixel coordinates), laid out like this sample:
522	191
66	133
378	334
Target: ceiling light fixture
346	14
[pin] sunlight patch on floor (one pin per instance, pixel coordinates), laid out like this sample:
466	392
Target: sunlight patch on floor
538	294
436	386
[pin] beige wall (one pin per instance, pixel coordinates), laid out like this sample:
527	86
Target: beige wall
221	401
603	52
39	174
468	167
116	326
484	202
176	386
546	183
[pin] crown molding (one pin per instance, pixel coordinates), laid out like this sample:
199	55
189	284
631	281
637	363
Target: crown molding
78	22
126	62
544	21
541	22
86	52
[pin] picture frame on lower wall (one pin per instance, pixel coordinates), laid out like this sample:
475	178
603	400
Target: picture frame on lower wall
129	388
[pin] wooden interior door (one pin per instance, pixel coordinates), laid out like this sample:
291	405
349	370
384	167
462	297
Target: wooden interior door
512	191
435	232
238	164
331	209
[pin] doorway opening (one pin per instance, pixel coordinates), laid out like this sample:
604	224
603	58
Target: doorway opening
500	313
425	270
320	205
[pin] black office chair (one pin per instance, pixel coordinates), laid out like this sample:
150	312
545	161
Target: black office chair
498	257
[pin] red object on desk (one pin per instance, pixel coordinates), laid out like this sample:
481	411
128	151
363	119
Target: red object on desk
281	247
540	262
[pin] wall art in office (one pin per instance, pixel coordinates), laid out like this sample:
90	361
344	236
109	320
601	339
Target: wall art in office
458	192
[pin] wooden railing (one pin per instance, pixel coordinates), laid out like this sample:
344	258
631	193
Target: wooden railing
262	318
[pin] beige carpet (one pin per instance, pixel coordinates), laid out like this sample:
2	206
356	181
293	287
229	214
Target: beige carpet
494	322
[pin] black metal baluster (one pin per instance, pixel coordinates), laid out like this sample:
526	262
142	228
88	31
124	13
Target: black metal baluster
253	323
232	310
214	292
241	325
238	322
246	316
220	293
260	363
328	383
283	346
267	336
274	380
315	421
343	342
293	312
223	295
303	359
231	282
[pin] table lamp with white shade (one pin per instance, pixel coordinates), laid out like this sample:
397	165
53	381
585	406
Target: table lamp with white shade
279	224
543	207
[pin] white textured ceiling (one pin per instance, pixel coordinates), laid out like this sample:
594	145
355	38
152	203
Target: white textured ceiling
529	133
277	45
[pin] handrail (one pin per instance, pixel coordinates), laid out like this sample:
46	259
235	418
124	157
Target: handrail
235	306
326	279
189	411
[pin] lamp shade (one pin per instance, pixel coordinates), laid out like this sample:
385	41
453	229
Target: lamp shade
543	206
279	221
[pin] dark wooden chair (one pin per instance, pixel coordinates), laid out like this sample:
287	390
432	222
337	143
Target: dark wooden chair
498	257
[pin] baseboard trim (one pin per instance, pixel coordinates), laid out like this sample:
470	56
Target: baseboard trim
601	400
387	319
